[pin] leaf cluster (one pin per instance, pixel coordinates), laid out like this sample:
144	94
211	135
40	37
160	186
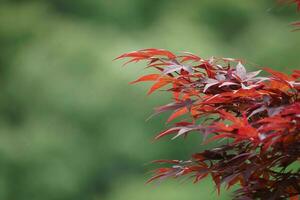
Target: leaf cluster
254	120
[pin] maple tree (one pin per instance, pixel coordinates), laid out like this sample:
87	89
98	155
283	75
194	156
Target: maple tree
256	120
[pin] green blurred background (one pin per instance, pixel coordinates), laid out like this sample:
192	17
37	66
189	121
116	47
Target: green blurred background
71	128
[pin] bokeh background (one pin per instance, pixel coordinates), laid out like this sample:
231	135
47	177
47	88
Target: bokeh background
71	128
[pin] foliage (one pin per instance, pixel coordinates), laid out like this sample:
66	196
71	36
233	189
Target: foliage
71	129
255	118
259	117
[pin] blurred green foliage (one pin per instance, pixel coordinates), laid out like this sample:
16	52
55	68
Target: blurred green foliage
72	128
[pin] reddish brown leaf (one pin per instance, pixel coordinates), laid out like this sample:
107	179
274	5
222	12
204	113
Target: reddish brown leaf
177	113
278	74
149	77
159	84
